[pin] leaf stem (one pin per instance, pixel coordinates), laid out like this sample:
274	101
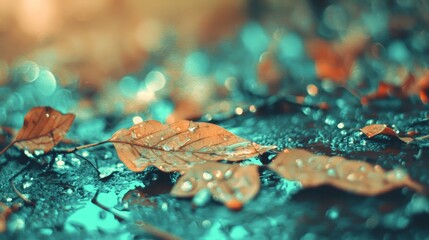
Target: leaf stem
422	137
74	149
7	147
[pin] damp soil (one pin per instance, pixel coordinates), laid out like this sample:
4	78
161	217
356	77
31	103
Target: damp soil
74	202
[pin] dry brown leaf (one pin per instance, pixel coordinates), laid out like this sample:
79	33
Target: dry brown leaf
351	175
178	146
377	129
44	127
232	185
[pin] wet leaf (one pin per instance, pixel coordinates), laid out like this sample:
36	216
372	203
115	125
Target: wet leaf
44	127
407	84
377	129
232	185
178	146
334	61
5	212
350	175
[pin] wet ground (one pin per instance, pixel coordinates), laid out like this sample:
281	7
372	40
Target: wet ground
74	202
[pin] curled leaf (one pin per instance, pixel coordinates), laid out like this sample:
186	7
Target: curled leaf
43	129
350	175
232	185
377	129
178	146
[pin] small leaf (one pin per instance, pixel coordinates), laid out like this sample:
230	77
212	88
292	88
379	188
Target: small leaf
350	175
5	212
232	185
178	146
43	129
377	129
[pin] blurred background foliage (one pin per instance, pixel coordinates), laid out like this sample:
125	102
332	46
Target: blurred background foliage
196	59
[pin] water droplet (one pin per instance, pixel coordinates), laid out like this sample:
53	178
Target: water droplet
399	174
239	111
207	176
299	163
26	185
47	115
218	173
332	213
178	129
38	152
340	125
202	197
9	199
28	153
192	127
164	207
252	108
69	191
331	172
133	135
85	153
352	177
162	138
228	174
187	186
166	148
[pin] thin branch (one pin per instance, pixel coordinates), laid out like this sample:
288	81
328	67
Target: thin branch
422	137
86	159
20	195
74	149
7	147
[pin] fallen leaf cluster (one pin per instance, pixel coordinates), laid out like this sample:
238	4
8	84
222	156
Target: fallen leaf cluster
194	149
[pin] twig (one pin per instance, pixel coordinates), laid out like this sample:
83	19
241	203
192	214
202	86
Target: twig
86	159
7	147
422	137
20	195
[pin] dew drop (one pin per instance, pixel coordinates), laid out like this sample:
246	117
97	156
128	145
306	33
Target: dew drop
201	198
133	135
28	153
26	185
399	174
207	176
299	163
218	173
228	174
166	148
38	152
331	172
187	186
47	115
192	128
332	213
352	177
